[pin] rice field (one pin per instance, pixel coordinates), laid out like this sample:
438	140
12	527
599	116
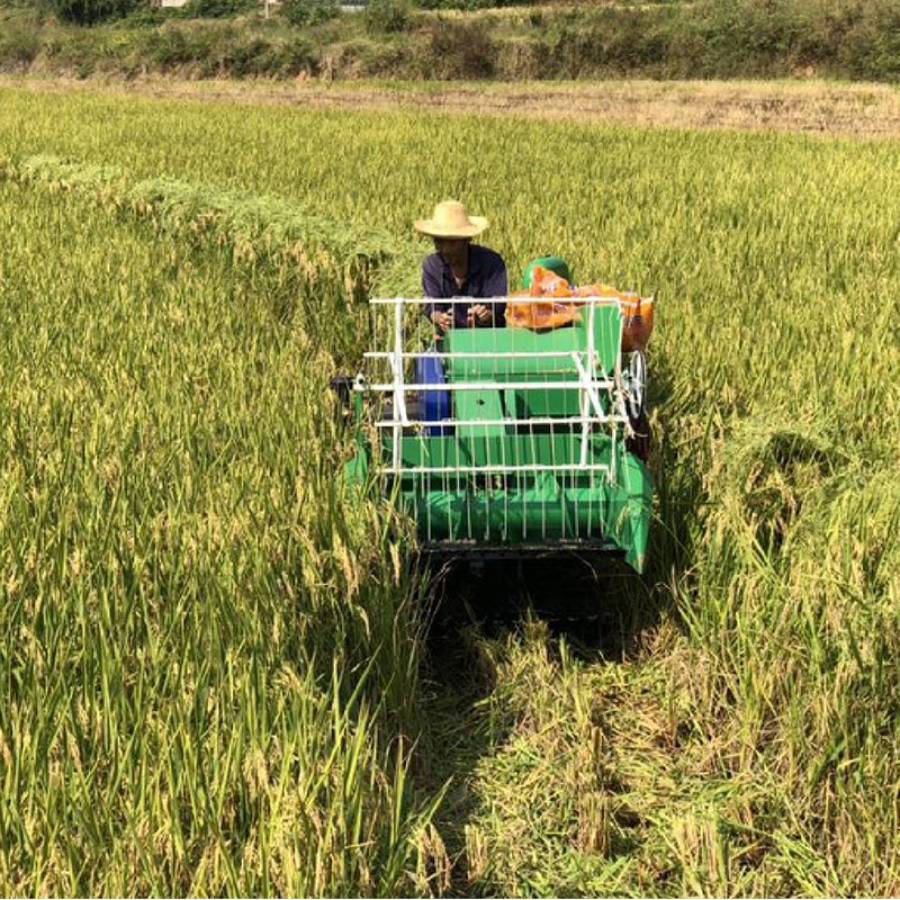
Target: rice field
214	659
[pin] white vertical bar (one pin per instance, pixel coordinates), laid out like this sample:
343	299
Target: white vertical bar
399	396
584	407
618	397
588	374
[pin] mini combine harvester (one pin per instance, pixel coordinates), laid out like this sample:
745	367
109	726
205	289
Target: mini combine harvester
507	441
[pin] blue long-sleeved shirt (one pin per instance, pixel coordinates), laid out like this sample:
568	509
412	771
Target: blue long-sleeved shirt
485	279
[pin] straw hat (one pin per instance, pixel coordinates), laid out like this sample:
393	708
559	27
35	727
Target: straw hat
450	220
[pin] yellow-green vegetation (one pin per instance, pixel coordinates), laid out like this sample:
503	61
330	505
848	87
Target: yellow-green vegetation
207	684
213	658
660	39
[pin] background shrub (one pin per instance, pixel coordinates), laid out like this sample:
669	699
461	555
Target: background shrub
19	42
217	9
309	12
461	49
857	39
90	12
388	16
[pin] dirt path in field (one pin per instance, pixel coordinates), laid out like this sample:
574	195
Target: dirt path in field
812	107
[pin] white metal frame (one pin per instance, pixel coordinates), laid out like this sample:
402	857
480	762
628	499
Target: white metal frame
590	383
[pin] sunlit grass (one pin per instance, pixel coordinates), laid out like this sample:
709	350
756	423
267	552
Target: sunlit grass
209	659
173	529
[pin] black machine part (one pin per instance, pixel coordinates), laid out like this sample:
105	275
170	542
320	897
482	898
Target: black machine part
342	385
636	404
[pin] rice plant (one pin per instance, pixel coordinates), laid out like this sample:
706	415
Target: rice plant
209	659
212	656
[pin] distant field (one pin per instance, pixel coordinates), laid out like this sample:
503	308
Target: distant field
816	107
216	678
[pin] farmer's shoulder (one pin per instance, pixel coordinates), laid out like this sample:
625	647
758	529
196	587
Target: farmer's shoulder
433	264
487	259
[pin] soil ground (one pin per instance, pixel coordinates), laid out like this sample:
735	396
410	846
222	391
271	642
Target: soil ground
809	107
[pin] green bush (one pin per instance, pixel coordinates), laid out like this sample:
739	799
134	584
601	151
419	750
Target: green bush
170	47
471	4
775	37
90	12
259	56
309	12
225	49
461	49
388	16
148	17
20	40
217	9
858	39
178	44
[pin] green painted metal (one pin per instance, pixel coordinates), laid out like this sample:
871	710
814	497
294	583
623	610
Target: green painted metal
549	369
554	263
529	507
607	340
486	405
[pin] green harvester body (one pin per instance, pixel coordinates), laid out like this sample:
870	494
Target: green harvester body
508	469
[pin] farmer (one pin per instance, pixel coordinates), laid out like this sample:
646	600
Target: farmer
460	268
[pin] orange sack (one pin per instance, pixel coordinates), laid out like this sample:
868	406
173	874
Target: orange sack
551	311
540	315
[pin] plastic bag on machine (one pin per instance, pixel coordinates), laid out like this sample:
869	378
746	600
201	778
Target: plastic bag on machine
552	311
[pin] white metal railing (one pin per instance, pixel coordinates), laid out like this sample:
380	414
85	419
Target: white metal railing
489	468
592	382
494	385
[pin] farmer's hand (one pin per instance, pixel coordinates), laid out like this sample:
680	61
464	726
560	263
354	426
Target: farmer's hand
443	320
479	313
